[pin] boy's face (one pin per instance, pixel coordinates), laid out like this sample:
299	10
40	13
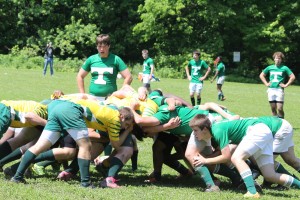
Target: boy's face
103	50
145	55
277	60
201	134
196	56
125	124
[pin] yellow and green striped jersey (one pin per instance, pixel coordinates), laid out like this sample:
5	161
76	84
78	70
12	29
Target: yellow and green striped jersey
20	108
101	117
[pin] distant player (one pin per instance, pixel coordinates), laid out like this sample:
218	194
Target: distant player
277	73
148	69
194	71
220	75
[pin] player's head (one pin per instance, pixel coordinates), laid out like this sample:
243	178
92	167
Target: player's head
278	57
196	54
5	118
145	53
201	127
126	116
103	39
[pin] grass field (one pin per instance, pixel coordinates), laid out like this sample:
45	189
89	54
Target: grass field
243	99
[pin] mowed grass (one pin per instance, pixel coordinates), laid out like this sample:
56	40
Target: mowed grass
244	99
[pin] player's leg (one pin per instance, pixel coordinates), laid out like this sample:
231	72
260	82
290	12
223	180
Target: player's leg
280	109
192	89
199	87
45	66
47	139
51	66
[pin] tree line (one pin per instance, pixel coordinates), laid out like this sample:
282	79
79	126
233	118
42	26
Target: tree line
170	29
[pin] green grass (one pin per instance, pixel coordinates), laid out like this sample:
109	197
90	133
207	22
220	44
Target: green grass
243	99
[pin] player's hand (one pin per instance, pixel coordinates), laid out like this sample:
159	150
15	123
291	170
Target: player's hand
134	104
173	122
202	78
189	78
199	160
282	85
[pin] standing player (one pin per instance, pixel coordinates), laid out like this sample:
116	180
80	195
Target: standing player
148	69
220	74
104	68
277	74
194	71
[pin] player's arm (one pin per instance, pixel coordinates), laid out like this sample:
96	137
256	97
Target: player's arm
224	157
154	130
142	121
216	74
80	80
262	77
290	81
218	109
127	76
34	119
187	71
182	101
122	137
206	74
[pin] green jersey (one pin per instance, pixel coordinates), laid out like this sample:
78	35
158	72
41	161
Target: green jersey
277	74
221	69
185	114
104	73
147	65
231	132
274	123
196	69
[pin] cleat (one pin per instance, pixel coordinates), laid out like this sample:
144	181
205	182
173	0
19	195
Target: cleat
249	195
38	170
109	182
151	180
21	180
223	99
258	187
212	188
65	176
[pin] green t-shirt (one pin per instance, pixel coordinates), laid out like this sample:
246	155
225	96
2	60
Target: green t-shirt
277	74
221	69
104	73
231	132
196	70
274	123
147	65
185	114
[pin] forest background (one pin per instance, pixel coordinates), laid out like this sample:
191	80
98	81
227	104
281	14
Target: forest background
171	30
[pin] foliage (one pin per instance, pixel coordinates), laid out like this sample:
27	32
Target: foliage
167	28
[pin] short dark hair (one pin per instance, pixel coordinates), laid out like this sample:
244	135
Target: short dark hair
103	39
201	121
196	52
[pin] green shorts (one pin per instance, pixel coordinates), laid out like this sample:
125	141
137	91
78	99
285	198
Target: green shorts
64	115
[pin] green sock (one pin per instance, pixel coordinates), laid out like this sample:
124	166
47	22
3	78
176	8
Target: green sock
226	171
16	154
84	167
48	155
108	150
248	180
5	149
280	169
46	163
115	166
25	163
73	167
205	175
295	183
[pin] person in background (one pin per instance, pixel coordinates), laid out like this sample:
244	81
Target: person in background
220	75
277	73
194	71
48	58
148	69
